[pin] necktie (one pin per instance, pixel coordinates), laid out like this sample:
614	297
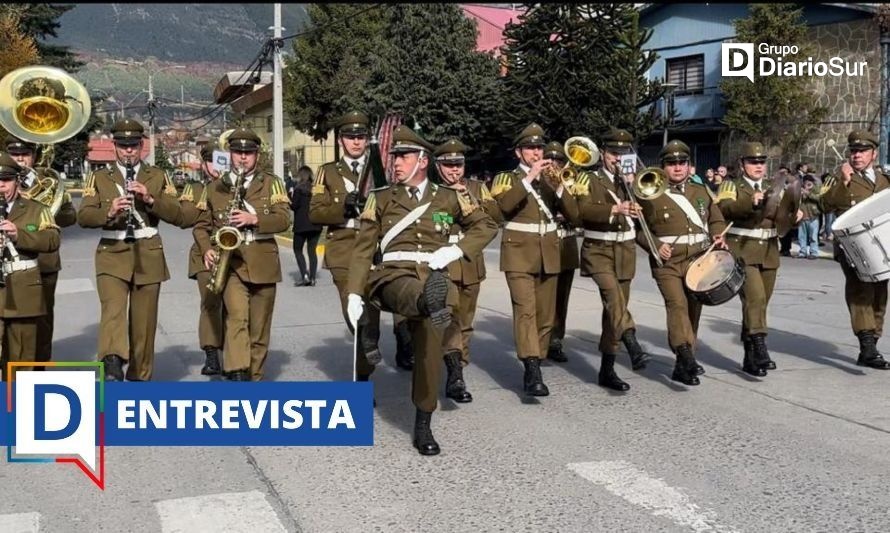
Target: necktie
415	193
757	187
355	167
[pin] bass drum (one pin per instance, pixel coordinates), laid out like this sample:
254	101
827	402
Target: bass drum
863	233
715	278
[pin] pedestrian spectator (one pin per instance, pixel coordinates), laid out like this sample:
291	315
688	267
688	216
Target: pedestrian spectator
827	218
721	172
785	242
695	178
305	233
709	179
808	230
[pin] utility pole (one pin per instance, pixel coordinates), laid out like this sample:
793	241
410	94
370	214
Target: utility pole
151	123
277	97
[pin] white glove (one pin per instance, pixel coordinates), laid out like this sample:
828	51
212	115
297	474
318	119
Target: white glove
445	255
355	306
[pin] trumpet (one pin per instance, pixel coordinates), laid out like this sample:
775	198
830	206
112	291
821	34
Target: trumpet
582	153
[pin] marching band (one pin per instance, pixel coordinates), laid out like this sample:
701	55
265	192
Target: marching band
414	246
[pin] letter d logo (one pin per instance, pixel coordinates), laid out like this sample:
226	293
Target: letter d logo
737	59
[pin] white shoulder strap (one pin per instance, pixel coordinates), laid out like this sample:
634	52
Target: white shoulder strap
683	203
402	224
630	221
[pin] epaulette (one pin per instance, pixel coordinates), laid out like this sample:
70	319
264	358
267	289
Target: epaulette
830	181
370	210
466	201
47	221
502	183
318	184
169	188
201	204
581	187
188	194
279	194
484	193
89	185
727	191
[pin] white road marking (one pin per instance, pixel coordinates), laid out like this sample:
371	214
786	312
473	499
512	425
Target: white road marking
634	485
231	512
70	286
20	522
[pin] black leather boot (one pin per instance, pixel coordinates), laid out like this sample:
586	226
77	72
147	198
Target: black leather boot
760	353
638	357
684	369
423	435
748	365
211	362
362	378
868	351
432	301
404	348
533	382
608	378
114	367
239	375
555	353
455	387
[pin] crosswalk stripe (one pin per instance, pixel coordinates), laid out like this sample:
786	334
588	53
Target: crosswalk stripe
231	512
20	522
636	486
70	286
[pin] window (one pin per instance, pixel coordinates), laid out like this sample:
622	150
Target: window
687	73
269	124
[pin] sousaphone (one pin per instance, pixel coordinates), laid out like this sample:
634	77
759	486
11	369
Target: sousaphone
43	105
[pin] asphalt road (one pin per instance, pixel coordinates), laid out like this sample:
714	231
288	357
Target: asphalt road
804	449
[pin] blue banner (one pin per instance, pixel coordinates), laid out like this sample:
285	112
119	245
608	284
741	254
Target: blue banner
232	414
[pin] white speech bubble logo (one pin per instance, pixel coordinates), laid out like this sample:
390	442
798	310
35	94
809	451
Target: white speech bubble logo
737	59
53	393
221	161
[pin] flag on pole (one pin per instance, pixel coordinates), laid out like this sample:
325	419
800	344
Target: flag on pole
391	122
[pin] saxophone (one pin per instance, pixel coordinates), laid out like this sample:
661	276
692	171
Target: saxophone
225	240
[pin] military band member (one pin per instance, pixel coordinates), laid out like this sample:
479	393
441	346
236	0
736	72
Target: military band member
254	269
467	273
408	224
530	250
857	179
193	202
27	230
568	262
128	274
753	238
683	221
25	154
609	255
334	203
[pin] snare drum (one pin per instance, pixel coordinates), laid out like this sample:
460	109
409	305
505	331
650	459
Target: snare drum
863	233
714	279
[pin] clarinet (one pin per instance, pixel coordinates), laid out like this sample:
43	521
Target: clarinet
3	208
130	235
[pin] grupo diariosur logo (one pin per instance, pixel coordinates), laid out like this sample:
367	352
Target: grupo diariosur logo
738	60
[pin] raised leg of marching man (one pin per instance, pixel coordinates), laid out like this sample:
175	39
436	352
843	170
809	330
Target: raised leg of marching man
127	202
608	253
466	273
25	154
530	249
683	221
193	202
754	238
410	222
857	179
260	210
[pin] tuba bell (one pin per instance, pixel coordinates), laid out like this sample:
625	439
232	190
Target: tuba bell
650	184
582	153
43	105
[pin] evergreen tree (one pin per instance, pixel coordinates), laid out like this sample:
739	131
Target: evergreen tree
577	69
17	49
162	158
41	21
775	110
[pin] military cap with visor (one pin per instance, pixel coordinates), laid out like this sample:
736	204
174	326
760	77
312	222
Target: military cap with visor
405	140
753	151
244	140
674	151
862	139
532	135
9	169
14	145
451	151
354	123
127	132
618	140
555	150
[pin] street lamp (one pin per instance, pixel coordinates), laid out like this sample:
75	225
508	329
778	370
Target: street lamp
668	112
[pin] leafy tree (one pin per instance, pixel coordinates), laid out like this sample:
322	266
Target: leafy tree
577	69
162	158
17	49
41	21
776	110
331	66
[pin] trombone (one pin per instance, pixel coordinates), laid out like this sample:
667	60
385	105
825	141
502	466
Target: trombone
651	183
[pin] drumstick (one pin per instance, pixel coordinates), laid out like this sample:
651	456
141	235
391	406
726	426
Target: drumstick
713	244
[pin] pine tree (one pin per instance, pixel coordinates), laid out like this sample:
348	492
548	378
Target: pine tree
775	110
17	49
577	69
41	21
